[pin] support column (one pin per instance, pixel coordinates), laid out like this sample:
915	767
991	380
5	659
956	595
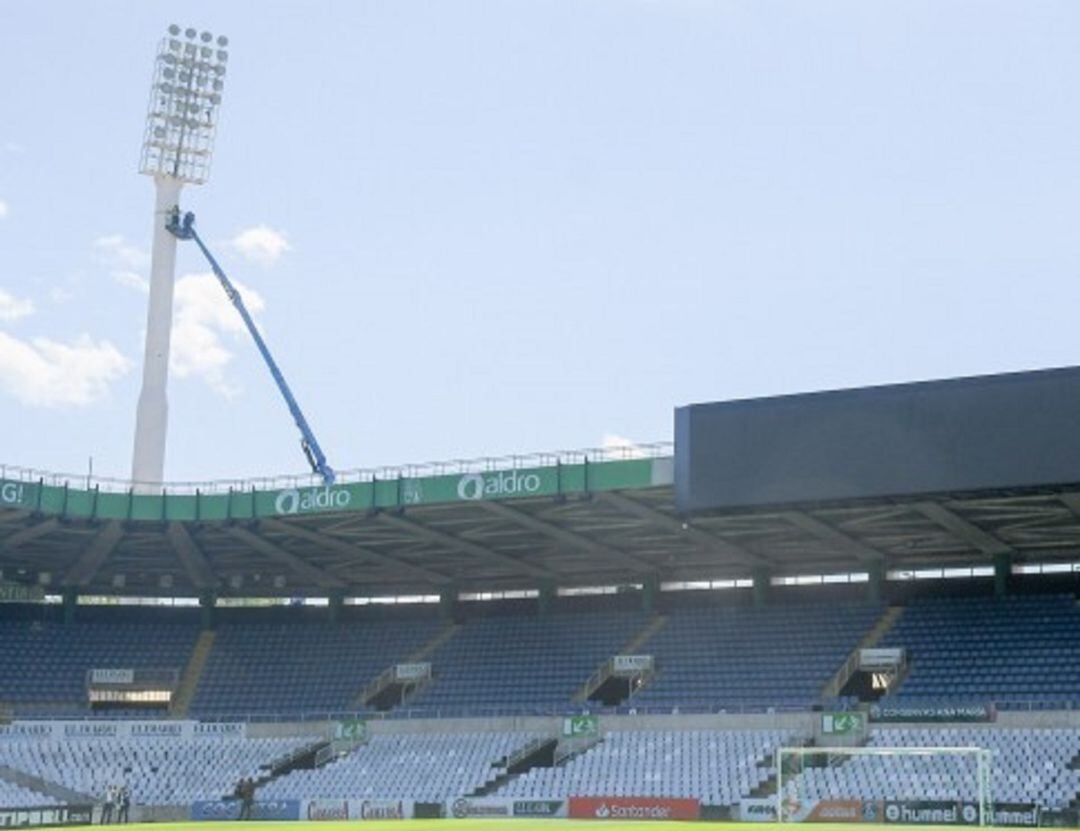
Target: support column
761	586
207	604
448	602
337	603
1002	573
547	595
876	583
649	591
152	415
71	603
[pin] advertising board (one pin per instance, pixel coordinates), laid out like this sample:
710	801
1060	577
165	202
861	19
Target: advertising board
53	815
416	671
931	812
468	807
628	664
339	810
908	713
229	809
112	676
633	808
757	809
539	808
880	657
835	810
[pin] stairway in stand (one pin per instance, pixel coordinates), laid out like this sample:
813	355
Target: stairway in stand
189	681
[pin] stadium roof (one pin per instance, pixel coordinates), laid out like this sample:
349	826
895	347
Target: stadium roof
589	518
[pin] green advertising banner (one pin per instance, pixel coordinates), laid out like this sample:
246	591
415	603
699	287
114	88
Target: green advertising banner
577	727
17	494
400	492
842	724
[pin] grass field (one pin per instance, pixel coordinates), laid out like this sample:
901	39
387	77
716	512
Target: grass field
513	824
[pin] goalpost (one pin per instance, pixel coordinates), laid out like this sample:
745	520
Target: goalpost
940	785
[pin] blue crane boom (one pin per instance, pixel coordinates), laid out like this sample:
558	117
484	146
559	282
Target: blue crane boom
316	458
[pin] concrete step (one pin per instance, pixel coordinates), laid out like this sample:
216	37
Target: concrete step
44	786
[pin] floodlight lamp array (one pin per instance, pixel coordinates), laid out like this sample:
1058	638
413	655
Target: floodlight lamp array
185	96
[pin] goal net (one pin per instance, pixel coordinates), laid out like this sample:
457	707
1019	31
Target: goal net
916	785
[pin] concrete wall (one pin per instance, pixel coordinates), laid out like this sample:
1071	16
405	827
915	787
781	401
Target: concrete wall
804	722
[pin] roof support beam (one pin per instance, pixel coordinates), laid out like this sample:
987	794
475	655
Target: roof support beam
194	562
349	549
459	544
95	554
305	570
1071	501
563	535
838	539
31	532
702	539
960	527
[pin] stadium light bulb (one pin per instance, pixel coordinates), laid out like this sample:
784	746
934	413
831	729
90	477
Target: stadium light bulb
185	96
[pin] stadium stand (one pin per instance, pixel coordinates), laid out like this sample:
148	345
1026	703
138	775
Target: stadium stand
1029	765
158	771
719	767
522	664
752	658
1017	649
422	766
292	668
1021	650
45	663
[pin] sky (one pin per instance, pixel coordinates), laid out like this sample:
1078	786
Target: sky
482	228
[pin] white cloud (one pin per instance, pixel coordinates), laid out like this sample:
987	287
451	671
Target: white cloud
132	280
60	294
4	209
202	318
13	308
261	244
11	147
115	251
623	447
42	372
126	262
48	373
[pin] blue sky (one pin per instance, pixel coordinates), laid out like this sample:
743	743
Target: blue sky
478	228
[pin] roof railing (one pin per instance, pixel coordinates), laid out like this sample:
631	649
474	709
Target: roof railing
455	467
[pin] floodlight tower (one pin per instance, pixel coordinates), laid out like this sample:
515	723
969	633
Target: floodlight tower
181	121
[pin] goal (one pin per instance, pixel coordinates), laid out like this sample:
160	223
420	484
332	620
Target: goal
916	785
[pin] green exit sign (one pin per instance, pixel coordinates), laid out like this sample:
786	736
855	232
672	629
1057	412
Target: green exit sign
836	724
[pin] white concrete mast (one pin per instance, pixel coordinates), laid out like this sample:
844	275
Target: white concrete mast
181	122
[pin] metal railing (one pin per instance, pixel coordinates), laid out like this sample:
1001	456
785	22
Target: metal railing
455	467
